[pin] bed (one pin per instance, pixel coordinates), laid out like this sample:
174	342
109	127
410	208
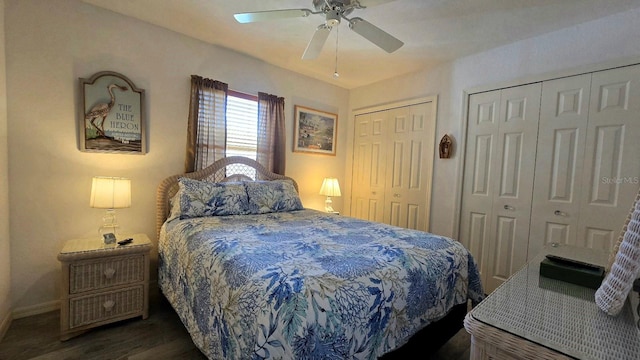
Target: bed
253	274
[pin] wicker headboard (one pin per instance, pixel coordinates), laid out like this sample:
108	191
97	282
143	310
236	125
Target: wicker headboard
243	169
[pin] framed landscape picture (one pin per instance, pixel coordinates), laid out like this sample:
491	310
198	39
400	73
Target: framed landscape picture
314	131
111	116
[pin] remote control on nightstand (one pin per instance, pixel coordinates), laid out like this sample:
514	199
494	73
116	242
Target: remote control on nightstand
125	241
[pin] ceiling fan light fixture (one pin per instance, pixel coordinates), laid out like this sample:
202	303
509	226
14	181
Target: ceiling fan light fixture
332	18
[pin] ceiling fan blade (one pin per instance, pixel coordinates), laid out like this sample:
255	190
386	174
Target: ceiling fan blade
317	42
369	3
374	34
271	15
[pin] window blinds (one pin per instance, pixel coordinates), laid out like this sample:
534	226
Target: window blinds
242	128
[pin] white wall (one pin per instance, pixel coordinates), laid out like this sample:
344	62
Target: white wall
609	40
5	254
52	43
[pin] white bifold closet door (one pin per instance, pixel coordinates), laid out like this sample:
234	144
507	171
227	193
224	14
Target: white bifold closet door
393	164
551	162
498	179
587	171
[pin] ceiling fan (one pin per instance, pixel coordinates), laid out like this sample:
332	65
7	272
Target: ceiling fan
333	11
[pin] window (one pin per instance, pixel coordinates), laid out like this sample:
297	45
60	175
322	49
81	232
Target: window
226	123
242	125
242	130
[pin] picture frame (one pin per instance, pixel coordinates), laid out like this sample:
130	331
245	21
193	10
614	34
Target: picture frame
111	116
315	131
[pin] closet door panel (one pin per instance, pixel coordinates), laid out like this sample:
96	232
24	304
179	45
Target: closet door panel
612	168
369	163
564	115
504	263
395	214
476	224
513	184
606	163
408	189
557	232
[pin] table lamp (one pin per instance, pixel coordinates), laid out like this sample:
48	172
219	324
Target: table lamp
110	193
330	187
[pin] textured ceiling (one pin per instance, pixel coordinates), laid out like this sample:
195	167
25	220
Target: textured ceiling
433	30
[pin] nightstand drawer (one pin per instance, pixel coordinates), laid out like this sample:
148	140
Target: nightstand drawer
106	272
91	309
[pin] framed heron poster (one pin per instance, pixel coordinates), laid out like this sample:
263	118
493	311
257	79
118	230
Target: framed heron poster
112	116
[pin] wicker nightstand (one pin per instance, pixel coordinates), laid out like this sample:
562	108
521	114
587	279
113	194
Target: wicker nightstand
102	283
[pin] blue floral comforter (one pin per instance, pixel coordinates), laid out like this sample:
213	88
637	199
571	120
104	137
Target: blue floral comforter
308	285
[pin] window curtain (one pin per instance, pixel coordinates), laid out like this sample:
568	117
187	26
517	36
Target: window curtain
271	133
207	124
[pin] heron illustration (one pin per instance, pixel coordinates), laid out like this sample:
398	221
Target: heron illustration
100	111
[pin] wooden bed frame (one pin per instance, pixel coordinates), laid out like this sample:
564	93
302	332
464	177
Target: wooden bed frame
426	341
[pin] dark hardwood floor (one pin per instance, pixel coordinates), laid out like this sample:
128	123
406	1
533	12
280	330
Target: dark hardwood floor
161	336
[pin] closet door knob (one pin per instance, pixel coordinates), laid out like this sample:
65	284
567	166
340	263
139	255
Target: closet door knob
396	195
559	213
509	207
373	193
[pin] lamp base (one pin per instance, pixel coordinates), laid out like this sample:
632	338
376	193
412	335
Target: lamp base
328	205
109	229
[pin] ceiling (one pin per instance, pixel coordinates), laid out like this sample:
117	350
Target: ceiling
433	31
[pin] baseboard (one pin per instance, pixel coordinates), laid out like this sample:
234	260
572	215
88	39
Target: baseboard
36	309
4	325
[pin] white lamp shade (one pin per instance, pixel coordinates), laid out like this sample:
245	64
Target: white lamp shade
330	187
110	193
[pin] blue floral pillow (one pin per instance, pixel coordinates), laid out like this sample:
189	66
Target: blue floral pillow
197	198
272	196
